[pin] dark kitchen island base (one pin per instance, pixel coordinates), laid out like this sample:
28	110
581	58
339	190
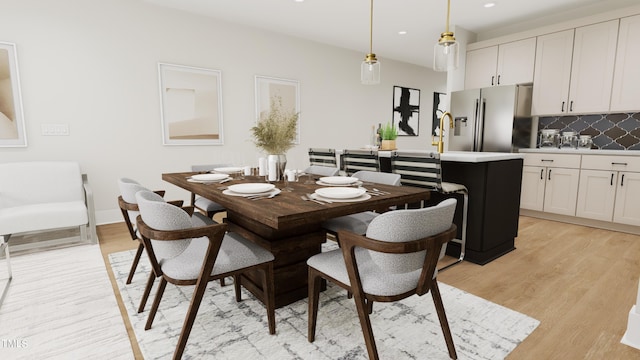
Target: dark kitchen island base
494	203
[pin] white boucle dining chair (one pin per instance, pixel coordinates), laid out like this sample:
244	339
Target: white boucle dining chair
358	223
322	170
203	204
129	208
182	254
396	259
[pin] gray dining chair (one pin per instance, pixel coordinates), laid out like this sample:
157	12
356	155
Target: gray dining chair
209	207
396	259
184	254
358	223
130	211
424	169
129	208
322	170
357	160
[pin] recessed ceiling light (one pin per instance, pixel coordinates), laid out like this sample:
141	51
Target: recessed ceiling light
488	5
402	32
299	0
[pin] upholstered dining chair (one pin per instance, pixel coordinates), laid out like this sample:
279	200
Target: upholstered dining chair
396	259
322	170
322	157
358	160
182	254
205	205
129	208
424	169
358	223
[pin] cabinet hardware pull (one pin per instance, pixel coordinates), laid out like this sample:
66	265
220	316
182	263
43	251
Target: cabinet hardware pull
547	160
562	110
498	79
541	174
622	181
549	174
617	163
612	179
492	78
571	106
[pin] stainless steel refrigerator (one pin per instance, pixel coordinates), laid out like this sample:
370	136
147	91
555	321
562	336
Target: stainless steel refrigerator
492	119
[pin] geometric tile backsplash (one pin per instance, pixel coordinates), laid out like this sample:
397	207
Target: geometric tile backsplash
608	131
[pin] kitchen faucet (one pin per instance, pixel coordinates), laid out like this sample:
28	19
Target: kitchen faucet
440	142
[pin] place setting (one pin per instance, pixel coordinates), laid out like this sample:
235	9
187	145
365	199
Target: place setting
339	181
340	194
252	191
209	178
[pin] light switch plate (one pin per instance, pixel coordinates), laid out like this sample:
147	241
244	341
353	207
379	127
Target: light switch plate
55	129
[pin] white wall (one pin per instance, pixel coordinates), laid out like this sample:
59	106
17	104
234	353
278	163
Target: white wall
92	64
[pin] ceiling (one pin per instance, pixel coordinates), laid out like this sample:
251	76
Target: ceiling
345	23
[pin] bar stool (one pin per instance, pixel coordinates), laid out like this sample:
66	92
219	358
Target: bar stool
423	169
359	160
322	157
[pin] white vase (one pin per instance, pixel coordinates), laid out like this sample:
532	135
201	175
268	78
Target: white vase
276	164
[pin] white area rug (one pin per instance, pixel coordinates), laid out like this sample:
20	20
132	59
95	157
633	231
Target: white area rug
61	305
409	329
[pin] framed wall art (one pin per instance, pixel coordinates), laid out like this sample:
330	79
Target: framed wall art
191	105
12	127
288	91
440	101
406	110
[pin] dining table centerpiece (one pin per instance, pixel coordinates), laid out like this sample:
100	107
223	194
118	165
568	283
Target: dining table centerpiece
275	133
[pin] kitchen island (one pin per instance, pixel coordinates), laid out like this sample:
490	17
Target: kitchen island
494	183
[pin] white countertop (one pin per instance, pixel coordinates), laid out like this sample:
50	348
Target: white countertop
582	151
466	156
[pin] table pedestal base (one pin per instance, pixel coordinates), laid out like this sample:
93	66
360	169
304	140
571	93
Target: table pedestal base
291	250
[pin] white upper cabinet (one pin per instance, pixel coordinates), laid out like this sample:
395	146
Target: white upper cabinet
574	70
626	80
504	64
594	54
552	74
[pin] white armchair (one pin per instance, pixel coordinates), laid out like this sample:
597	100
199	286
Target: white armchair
44	195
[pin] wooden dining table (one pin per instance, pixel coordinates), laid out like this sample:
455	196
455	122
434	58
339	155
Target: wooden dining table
289	226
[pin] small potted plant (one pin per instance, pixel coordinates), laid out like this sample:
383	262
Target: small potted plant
389	135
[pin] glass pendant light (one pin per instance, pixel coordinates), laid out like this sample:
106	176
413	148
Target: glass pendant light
370	68
445	52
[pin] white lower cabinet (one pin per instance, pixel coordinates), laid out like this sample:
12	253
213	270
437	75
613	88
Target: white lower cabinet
550	183
610	189
627	206
597	194
561	191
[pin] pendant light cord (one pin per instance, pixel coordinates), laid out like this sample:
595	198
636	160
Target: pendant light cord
371	29
448	12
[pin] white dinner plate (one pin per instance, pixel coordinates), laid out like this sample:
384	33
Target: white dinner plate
271	192
251	188
228	170
209	177
340	192
363	197
338	180
327	184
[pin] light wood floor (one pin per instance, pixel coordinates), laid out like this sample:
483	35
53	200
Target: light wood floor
579	282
